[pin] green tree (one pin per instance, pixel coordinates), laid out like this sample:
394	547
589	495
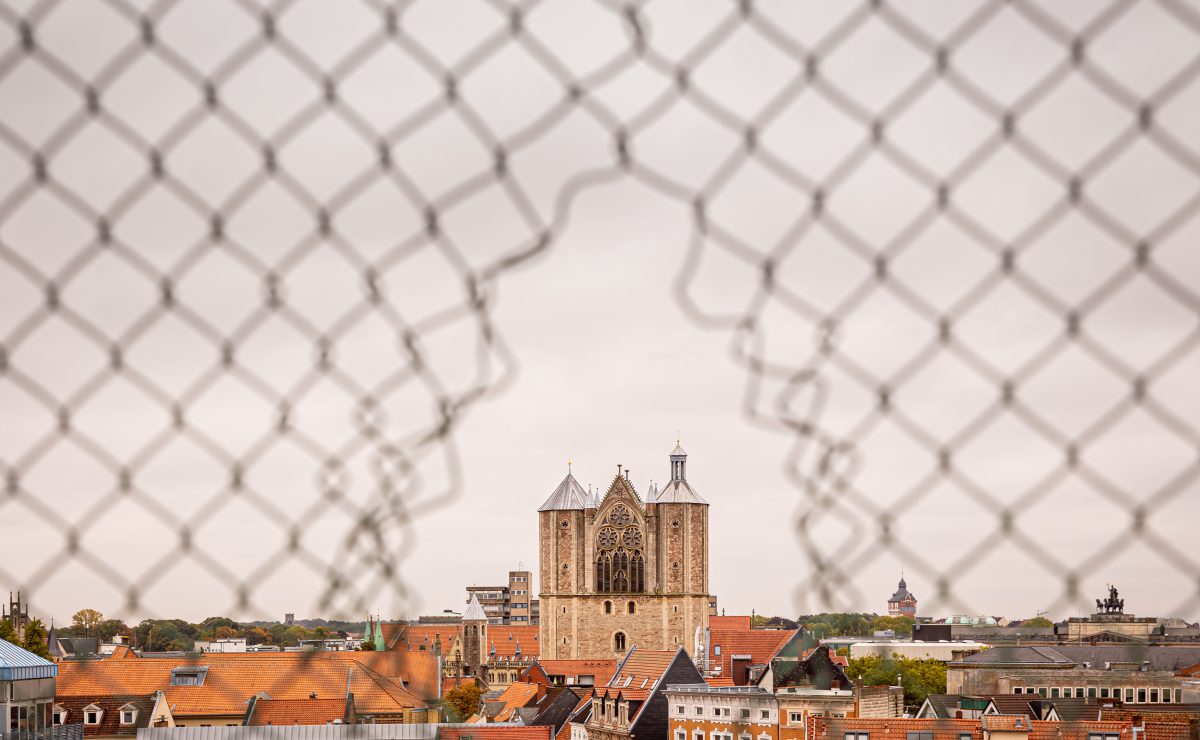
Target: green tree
35	639
293	635
464	700
899	625
258	636
85	621
368	645
165	635
110	628
1037	622
918	677
8	633
226	633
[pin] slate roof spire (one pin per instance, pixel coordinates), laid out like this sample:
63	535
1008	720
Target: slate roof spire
474	612
568	496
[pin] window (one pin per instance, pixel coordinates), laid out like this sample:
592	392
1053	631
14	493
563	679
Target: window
744	736
745	714
764	714
1129	695
1042	691
679	709
60	715
92	715
1103	736
1091	692
681	735
716	649
1103	692
632	607
1018	690
797	717
1141	696
919	736
1178	696
608	607
619	642
699	711
1153	696
858	736
1054	693
698	735
1166	696
964	736
188	676
128	716
1079	692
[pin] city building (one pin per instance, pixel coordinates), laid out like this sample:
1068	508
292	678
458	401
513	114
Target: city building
633	704
991	727
27	687
1134	673
583	673
903	603
16	613
128	691
811	682
509	604
619	571
737	653
916	650
704	712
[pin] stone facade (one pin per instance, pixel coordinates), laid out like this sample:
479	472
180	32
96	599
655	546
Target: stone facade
619	571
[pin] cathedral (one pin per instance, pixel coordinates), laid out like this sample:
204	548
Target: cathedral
619	571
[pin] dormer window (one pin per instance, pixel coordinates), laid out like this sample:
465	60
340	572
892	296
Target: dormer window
129	714
92	714
191	676
60	714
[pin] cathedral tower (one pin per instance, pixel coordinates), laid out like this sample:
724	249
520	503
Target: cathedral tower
618	571
474	639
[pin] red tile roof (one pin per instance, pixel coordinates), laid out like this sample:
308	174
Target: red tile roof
760	644
600	670
418	637
417	670
298	711
506	638
496	732
232	678
514	697
729	623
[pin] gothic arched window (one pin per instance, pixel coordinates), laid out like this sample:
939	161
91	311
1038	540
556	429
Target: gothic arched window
620	567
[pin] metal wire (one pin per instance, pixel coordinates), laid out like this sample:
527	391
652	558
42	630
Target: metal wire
883	197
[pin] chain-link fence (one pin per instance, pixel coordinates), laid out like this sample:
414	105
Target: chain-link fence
249	253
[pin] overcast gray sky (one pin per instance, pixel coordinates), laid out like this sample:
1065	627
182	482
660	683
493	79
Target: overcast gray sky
594	348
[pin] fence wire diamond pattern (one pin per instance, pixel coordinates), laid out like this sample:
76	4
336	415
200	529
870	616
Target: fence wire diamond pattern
260	243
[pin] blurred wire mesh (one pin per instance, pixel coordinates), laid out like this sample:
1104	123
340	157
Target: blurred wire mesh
258	243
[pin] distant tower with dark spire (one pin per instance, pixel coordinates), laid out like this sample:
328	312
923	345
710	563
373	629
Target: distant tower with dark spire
474	639
903	603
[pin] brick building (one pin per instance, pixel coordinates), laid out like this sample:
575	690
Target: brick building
618	571
903	603
704	712
634	702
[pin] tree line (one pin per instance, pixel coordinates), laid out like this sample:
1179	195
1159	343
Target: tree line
160	635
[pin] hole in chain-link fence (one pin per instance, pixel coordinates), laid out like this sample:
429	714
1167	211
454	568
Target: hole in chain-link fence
954	248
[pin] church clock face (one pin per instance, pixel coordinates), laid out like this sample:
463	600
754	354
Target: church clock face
607	538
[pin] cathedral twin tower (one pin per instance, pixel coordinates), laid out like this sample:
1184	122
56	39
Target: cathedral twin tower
618	571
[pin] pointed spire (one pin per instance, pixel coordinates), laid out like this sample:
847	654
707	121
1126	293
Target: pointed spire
568	496
474	612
